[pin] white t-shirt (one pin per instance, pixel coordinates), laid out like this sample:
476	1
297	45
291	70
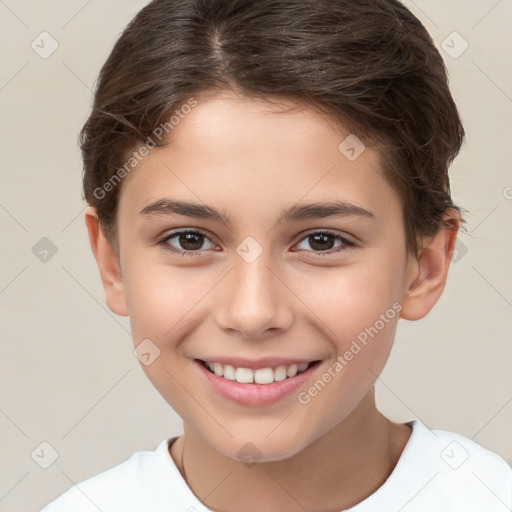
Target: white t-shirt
438	471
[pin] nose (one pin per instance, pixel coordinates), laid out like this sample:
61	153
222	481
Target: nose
253	300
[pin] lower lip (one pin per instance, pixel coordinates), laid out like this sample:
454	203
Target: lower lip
255	395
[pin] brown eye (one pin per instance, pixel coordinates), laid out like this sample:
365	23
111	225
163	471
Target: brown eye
321	241
186	241
324	242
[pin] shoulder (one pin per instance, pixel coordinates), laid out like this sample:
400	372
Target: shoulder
460	472
131	485
443	471
457	451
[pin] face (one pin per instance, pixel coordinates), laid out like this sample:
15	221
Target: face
270	282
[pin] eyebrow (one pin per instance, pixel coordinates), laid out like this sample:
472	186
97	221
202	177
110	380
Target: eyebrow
295	213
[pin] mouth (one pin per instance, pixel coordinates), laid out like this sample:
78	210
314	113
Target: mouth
266	375
257	387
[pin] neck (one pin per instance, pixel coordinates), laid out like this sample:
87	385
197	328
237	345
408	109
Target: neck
335	472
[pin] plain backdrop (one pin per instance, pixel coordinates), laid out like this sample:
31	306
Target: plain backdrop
68	376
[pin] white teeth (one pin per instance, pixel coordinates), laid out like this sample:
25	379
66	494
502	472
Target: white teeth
229	372
264	376
259	376
280	373
292	370
244	375
217	368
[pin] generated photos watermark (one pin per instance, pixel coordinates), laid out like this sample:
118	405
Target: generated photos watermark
137	156
357	345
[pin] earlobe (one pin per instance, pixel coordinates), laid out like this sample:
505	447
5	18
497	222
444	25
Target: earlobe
108	264
429	271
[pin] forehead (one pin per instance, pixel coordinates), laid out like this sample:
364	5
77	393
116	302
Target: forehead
232	122
254	157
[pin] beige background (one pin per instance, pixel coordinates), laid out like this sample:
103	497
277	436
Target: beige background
68	376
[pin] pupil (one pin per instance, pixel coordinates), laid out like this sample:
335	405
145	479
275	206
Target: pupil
187	241
318	238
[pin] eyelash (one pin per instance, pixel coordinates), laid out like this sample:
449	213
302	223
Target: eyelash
346	244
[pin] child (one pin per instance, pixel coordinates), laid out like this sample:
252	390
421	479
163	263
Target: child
268	194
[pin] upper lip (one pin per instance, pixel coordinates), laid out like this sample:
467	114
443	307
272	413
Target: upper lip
254	364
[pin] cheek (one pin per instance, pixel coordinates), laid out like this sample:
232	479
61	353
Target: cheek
162	299
360	312
349	300
360	306
162	303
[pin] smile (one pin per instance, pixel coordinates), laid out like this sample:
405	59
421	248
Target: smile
265	375
254	383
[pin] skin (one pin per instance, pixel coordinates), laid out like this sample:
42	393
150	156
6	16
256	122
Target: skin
252	159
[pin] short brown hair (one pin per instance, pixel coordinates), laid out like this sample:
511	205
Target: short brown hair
369	63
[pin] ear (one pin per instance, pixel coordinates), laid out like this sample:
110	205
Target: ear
108	264
428	272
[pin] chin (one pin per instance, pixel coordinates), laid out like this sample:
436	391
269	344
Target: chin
280	447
